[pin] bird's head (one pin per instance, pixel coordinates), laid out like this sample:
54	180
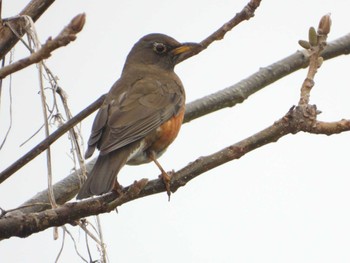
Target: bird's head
160	51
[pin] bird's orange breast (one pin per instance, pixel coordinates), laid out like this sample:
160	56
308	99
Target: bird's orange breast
167	132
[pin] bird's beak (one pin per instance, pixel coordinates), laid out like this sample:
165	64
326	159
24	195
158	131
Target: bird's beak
185	51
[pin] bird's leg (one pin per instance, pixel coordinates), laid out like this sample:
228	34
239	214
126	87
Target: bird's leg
165	176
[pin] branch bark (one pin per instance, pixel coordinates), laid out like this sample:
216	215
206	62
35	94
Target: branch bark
34	9
297	119
67	35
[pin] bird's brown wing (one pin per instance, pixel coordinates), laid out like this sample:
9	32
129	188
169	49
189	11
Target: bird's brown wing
144	106
97	129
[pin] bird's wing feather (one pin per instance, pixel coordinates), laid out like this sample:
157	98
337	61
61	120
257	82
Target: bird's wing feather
144	107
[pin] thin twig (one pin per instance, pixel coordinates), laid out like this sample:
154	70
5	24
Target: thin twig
102	244
316	45
10	106
67	35
62	245
34	9
75	244
74	134
33	38
42	146
88	247
246	13
91	235
32	136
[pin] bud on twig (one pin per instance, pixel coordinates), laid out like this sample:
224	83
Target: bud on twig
313	37
319	61
305	44
78	22
324	27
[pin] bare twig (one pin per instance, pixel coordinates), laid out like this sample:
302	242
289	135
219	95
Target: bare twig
67	35
246	13
62	245
74	134
47	134
75	244
330	128
10	107
315	45
34	9
102	244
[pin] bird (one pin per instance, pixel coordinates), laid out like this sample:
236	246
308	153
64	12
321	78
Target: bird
141	114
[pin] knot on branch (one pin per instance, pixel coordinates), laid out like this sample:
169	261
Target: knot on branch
302	118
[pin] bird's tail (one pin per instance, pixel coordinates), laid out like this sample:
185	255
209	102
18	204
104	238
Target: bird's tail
103	175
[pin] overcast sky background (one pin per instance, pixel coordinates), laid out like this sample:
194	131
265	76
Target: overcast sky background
285	202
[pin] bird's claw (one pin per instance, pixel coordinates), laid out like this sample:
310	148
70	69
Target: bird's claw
118	188
166	176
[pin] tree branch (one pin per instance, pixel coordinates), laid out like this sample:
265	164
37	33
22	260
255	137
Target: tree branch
67	35
34	9
240	91
297	119
246	13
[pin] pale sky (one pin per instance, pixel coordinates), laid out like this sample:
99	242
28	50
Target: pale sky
285	202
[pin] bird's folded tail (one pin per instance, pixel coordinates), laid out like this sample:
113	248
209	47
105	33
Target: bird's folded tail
103	175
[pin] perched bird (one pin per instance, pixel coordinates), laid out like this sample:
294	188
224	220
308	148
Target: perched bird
141	115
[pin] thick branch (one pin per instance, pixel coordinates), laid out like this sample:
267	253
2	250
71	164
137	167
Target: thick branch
240	91
296	120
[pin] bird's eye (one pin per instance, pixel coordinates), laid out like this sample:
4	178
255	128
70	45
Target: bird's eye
159	47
